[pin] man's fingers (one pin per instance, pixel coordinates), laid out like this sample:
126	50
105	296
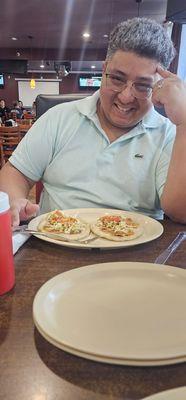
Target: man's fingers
31	209
28	210
22	210
15	220
164	73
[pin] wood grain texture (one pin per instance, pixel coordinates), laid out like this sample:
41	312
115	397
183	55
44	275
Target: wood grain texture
33	369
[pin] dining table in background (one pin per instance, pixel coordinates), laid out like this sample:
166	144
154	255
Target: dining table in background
33	369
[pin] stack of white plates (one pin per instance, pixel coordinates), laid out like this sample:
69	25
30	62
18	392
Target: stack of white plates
119	313
173	394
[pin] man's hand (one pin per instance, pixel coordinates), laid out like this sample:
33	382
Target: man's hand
22	210
170	91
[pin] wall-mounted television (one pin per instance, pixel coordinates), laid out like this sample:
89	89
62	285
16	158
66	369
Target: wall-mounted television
13	66
2	82
89	81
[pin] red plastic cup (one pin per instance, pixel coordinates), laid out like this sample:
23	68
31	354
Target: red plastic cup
7	273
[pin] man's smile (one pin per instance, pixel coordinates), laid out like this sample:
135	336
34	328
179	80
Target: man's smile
124	110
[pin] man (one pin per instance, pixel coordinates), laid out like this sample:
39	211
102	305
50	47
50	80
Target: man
4	111
17	110
111	149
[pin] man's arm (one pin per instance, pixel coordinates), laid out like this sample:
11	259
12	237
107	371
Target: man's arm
173	199
172	95
17	186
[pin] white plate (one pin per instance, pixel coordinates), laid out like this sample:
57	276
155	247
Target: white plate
173	394
152	228
123	313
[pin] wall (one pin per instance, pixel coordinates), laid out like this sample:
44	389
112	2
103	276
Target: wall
69	83
9	93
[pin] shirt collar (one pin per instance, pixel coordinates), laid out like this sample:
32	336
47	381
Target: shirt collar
88	105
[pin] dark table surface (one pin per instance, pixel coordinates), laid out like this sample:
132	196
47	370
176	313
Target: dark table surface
33	369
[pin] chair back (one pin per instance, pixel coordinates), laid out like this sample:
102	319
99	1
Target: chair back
9	129
2	160
9	137
44	102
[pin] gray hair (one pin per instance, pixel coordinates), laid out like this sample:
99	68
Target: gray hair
143	36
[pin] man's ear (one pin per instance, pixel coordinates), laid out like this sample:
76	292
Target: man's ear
104	66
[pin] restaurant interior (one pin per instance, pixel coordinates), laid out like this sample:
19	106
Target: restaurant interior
57	338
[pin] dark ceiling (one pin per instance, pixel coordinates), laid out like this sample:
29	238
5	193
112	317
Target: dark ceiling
59	24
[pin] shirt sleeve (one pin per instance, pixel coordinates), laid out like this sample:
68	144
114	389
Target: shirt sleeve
164	160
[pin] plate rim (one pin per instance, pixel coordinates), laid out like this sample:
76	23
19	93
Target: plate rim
67	347
158	395
105	244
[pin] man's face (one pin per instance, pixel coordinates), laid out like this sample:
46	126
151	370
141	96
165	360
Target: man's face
2	103
123	110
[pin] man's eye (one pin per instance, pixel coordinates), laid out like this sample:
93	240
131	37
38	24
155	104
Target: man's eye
116	79
141	87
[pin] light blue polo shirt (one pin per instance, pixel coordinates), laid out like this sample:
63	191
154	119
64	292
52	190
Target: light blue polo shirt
80	168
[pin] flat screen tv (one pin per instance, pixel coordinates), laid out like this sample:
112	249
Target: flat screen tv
13	66
2	82
89	82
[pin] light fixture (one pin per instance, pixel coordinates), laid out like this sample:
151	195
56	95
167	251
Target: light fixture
93	66
86	35
138	3
105	35
14	38
62	68
42	65
32	83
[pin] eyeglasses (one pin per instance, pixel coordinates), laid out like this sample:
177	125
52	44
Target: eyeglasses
118	84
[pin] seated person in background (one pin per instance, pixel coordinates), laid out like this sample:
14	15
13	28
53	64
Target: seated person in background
4	111
21	107
112	149
12	121
17	110
33	109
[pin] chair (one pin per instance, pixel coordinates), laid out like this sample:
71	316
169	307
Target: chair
43	103
9	137
23	128
2	161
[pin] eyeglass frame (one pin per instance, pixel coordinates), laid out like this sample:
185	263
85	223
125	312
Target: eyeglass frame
124	86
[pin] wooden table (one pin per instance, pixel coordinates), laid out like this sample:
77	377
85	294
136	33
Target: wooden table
33	369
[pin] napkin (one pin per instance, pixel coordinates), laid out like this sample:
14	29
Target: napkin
18	239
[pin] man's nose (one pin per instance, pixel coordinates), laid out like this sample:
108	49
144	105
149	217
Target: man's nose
127	91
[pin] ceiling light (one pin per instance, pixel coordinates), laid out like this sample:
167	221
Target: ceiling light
42	65
14	38
86	35
93	66
105	35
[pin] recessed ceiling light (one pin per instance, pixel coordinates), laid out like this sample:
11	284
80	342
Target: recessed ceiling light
14	38
86	35
93	66
105	35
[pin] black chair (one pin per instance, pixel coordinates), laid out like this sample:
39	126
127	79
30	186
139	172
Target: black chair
44	102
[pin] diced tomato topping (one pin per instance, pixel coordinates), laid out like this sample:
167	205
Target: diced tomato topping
111	218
